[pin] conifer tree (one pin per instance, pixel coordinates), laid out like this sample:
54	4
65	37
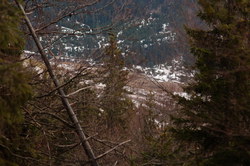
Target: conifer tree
215	119
115	103
14	89
149	130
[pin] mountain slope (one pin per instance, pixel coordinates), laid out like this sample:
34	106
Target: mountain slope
150	32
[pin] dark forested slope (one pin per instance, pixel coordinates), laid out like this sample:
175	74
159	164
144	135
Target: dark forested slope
149	32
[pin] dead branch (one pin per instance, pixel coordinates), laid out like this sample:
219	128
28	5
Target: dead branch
110	150
86	146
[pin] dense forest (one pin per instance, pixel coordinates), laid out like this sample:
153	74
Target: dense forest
69	98
151	30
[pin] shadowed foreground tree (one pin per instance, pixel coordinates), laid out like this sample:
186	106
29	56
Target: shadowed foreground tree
214	120
14	88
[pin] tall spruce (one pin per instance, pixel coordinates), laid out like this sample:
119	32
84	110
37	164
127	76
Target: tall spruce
115	103
215	119
14	89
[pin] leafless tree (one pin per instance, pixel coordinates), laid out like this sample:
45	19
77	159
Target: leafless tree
40	23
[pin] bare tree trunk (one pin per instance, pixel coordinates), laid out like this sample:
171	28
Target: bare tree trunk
86	146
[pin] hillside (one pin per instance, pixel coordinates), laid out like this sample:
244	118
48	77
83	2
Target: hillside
149	32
